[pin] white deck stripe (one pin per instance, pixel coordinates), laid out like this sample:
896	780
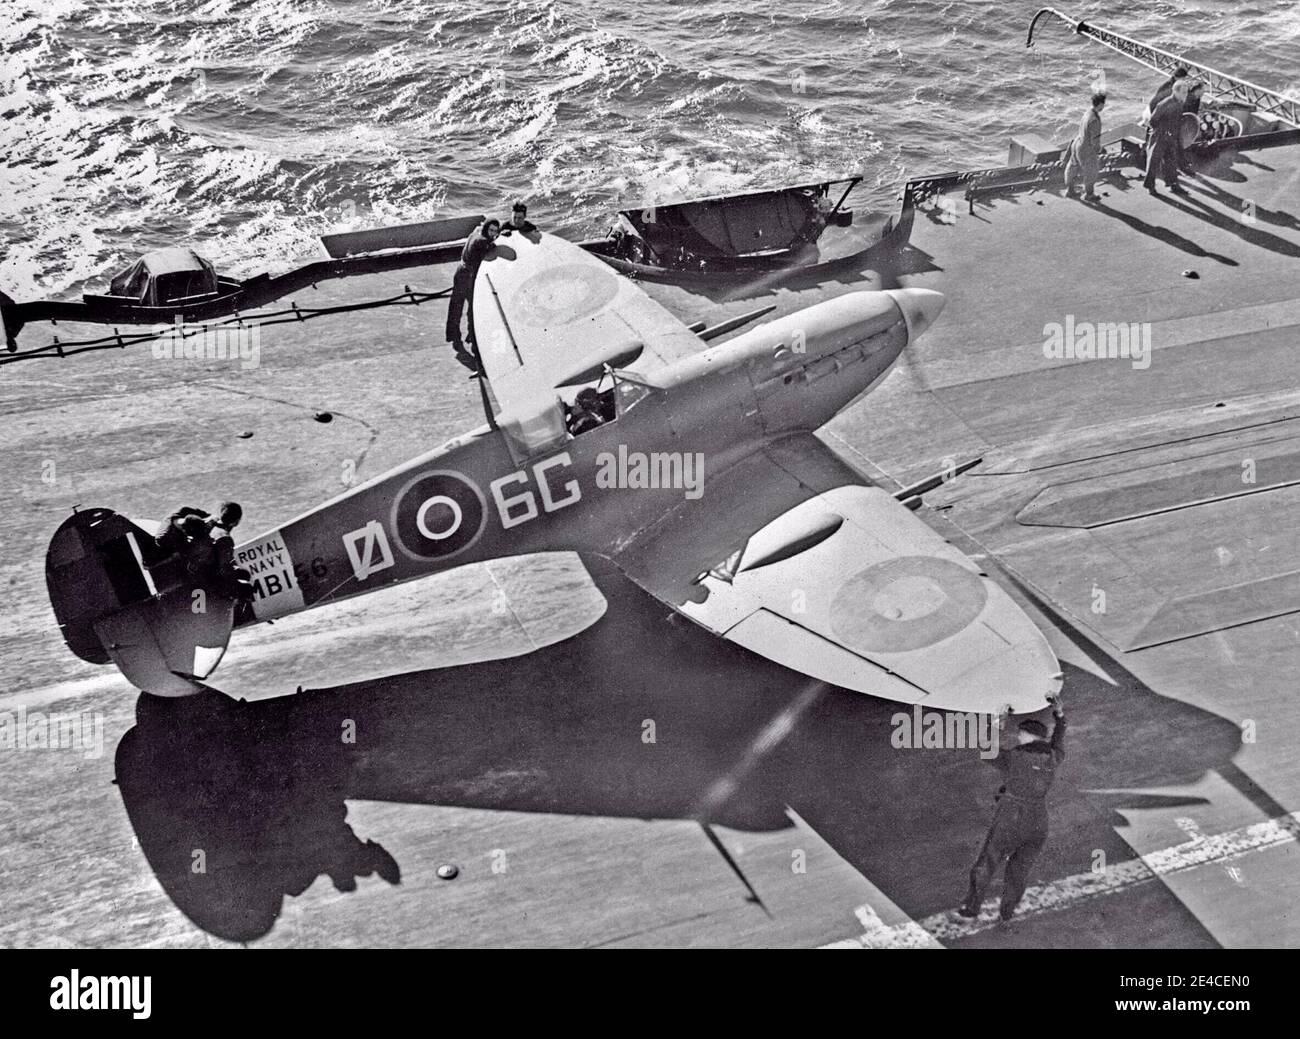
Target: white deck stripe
1062	894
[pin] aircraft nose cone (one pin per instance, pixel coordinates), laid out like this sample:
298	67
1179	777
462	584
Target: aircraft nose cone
920	307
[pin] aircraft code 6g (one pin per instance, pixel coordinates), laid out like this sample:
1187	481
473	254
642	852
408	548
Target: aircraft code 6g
522	507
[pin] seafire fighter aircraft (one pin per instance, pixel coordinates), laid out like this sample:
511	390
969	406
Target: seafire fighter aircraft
694	469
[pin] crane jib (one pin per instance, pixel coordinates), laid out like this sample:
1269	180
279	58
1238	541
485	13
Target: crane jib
1221	83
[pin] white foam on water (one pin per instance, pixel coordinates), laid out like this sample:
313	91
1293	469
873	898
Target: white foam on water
247	128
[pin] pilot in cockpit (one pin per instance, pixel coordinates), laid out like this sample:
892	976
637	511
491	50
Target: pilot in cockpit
586	413
590	409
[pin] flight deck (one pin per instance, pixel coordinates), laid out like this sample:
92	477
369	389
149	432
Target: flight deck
600	772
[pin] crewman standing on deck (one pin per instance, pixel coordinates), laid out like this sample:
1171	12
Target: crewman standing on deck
1162	147
1085	151
1163	91
1191	106
1019	828
462	287
1166	88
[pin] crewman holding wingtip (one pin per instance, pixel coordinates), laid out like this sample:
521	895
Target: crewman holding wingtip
231	580
180	529
462	287
1019	828
229	513
518	220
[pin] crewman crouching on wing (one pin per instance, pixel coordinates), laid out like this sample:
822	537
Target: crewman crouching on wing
462	287
1019	828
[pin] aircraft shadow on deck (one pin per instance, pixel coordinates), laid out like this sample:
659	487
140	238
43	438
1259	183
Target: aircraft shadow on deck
259	787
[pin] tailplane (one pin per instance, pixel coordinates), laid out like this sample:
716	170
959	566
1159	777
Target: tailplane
118	598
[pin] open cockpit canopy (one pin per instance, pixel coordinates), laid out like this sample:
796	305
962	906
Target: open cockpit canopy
544	423
550	319
534	427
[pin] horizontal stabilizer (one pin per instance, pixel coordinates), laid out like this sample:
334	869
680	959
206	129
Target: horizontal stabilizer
162	646
118	598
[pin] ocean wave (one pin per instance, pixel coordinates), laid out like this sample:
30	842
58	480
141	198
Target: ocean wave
248	127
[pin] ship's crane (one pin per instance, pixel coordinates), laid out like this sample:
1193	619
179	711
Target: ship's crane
1225	86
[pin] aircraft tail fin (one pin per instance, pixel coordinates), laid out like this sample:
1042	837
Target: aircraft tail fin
117	601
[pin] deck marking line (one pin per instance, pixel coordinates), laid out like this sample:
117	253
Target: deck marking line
1062	894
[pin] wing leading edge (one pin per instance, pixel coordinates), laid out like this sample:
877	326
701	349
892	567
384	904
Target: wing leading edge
790	554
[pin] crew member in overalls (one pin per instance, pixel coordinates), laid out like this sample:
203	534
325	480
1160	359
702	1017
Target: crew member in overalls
1019	828
462	287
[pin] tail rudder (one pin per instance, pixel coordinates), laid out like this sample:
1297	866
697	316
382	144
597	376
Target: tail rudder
117	599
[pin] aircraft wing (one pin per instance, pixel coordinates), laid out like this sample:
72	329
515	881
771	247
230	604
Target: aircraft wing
547	314
792	555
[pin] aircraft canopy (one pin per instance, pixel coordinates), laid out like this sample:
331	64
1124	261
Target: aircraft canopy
535	426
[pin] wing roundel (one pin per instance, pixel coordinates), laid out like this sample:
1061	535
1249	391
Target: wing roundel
548	313
793	556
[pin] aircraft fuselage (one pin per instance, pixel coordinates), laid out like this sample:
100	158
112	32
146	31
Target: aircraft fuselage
473	499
